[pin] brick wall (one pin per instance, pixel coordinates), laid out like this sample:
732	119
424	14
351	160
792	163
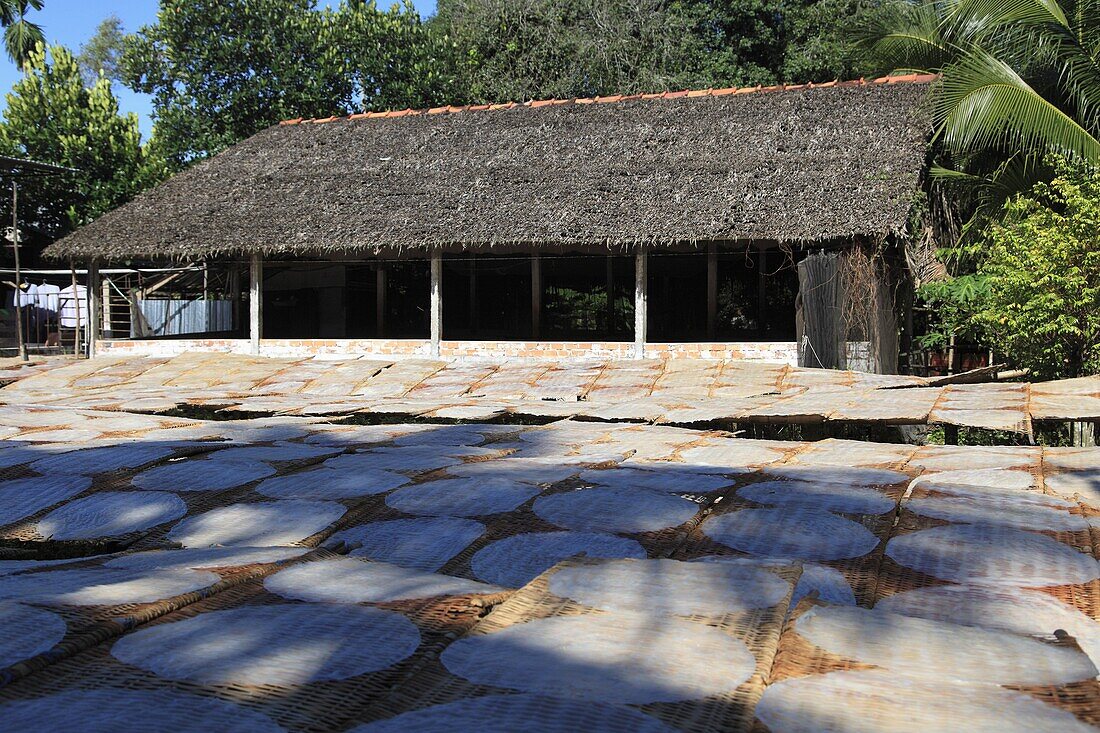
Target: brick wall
779	352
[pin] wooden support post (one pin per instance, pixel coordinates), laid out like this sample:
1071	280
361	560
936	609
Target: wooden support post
610	290
256	302
712	291
436	301
641	288
536	296
381	283
95	307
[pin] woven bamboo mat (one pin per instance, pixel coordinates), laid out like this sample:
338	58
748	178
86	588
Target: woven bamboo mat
731	710
315	705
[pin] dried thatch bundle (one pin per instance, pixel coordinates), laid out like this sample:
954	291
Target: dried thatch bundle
803	165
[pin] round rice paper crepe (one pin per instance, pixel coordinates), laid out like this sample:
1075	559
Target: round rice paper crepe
598	657
992	555
1072	484
795	531
111	514
997	478
289	644
102	586
510	713
112	710
942	459
615	510
1076	459
257	525
425	543
880	701
25	497
277	453
847	453
940	650
670	587
831	497
1008	512
28	632
330	483
349	580
205	558
517	560
202	474
731	454
666	479
101	460
461	497
851	477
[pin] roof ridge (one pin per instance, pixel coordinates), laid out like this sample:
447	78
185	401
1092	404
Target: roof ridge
685	93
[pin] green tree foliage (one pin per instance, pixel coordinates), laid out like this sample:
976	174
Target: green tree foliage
221	70
53	117
524	49
1021	81
21	36
1042	271
102	53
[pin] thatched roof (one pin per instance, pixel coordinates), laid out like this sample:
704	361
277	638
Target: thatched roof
804	164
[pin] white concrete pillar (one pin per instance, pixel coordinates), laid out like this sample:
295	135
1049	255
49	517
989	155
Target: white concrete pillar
256	302
437	300
641	289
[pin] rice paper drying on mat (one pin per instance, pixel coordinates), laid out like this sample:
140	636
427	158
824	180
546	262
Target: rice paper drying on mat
405	460
794	531
1015	512
290	644
527	470
102	460
730	455
669	480
461	497
24	497
517	560
992	555
330	483
827	496
277	453
1020	611
920	647
131	711
829	584
941	459
348	580
993	477
615	510
670	587
618	658
111	514
847	453
522	712
205	558
202	474
27	632
426	543
1085	484
102	586
1072	459
257	525
838	475
877	701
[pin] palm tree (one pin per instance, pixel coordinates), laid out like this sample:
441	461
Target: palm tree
1021	80
21	36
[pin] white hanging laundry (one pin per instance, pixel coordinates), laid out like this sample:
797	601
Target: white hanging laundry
48	297
69	306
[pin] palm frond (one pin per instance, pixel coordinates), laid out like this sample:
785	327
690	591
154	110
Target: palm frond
20	39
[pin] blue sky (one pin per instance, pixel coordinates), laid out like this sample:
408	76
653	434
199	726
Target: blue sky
72	22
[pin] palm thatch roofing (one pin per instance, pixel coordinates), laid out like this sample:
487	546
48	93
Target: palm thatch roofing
790	164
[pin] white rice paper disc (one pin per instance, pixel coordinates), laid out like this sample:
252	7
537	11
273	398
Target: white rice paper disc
257	525
511	713
619	658
1017	610
202	474
876	701
461	497
517	560
23	497
426	543
992	555
102	586
527	470
406	460
437	435
615	510
971	459
64	435
1014	512
330	483
291	644
795	531
997	478
1083	484
199	559
670	587
849	453
110	514
277	453
838	475
829	584
939	650
108	710
1073	459
27	632
730	454
348	580
669	481
827	496
101	460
